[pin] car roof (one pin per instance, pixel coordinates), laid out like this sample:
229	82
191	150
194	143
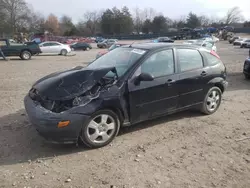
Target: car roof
155	46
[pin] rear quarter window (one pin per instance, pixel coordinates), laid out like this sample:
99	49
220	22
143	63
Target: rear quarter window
211	60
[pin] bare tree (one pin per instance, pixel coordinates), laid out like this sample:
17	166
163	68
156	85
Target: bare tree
234	15
91	20
150	13
16	12
140	16
204	20
138	19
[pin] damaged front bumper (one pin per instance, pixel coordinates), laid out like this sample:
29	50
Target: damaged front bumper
46	122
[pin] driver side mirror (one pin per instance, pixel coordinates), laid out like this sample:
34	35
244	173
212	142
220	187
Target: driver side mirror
143	77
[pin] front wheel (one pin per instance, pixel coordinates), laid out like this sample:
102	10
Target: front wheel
25	55
101	129
212	101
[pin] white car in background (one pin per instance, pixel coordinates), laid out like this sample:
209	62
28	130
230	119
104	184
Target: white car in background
203	43
213	39
189	42
53	47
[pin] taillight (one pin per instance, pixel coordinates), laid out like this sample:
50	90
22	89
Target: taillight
214	54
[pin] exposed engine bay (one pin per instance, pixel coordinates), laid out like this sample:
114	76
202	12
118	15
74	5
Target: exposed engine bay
58	106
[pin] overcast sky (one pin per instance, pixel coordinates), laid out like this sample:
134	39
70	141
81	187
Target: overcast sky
173	9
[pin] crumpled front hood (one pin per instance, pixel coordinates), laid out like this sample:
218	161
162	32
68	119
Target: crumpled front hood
69	84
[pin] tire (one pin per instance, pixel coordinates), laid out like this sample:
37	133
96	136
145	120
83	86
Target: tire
64	52
93	134
25	55
215	95
247	77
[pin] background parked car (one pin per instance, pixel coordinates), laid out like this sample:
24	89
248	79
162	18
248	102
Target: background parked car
246	68
203	43
99	39
24	51
114	46
238	42
189	42
164	39
231	40
55	47
80	46
106	43
245	44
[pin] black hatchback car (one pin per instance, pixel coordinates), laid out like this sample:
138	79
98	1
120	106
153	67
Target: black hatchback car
128	85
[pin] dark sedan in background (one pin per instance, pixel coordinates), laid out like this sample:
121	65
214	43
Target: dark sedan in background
80	46
164	39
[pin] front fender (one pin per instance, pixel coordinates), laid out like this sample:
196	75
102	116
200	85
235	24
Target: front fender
98	104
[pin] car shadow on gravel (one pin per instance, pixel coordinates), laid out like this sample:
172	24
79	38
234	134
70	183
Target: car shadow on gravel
160	120
19	141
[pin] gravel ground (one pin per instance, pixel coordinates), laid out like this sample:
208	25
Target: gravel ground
185	150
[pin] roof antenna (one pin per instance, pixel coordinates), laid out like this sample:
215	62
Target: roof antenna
131	44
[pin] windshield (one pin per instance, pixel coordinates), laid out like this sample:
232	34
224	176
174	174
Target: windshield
120	58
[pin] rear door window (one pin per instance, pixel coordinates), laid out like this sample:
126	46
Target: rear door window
189	59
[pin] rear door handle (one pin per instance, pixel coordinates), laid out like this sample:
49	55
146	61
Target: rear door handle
203	73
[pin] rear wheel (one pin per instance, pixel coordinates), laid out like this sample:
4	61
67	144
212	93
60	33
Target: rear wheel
101	129
212	101
64	52
25	55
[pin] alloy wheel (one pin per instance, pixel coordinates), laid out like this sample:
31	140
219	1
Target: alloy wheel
213	100
101	129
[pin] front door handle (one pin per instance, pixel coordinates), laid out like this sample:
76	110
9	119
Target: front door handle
170	81
203	73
